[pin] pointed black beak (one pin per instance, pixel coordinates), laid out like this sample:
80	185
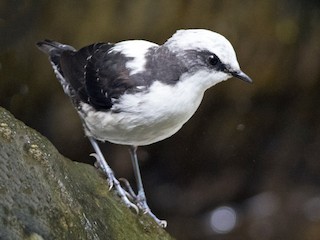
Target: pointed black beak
241	75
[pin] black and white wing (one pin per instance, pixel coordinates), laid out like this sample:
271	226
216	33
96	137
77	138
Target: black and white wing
93	75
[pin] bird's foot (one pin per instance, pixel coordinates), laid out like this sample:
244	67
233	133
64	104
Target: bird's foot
114	183
107	171
161	223
140	201
124	195
143	206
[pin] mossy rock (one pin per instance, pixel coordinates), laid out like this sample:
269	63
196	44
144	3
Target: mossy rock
44	195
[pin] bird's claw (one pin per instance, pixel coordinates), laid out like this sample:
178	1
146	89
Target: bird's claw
141	203
162	223
146	210
114	183
129	204
110	175
129	190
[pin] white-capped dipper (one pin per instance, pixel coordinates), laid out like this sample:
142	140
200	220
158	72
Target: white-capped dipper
137	92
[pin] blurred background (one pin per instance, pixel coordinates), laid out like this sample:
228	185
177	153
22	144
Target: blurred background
247	165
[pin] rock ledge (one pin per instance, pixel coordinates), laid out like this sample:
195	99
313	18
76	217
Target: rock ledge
44	195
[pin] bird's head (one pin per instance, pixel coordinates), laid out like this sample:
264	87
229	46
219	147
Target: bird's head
208	56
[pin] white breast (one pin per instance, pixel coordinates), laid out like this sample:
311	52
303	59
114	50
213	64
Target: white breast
145	117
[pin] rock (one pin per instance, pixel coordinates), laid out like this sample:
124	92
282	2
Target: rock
44	195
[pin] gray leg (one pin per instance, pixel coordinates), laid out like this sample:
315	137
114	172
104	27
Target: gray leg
141	200
113	182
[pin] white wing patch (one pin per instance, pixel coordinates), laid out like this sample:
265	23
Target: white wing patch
137	50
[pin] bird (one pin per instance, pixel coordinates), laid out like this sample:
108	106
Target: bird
137	93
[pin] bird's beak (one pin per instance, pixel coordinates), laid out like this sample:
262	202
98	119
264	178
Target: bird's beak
241	75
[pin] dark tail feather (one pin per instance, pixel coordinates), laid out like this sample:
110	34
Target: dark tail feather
51	47
55	50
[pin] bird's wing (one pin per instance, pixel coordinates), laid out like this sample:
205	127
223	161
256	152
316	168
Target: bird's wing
97	75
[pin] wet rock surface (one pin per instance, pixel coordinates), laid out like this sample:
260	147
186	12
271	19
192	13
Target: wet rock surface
44	195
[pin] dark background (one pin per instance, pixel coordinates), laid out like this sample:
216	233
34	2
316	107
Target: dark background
250	157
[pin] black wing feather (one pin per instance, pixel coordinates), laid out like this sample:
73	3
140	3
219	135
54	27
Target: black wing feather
97	75
107	78
73	66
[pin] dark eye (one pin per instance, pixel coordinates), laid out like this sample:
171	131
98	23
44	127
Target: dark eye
213	60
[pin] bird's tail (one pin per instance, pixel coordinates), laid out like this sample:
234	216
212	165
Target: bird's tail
51	47
54	50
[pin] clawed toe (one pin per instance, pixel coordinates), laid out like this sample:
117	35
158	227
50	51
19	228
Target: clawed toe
96	163
107	171
130	205
130	193
141	203
114	183
162	223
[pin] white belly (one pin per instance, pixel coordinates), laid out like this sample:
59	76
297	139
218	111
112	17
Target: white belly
144	118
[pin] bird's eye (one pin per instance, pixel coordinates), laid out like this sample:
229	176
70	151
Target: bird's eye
213	60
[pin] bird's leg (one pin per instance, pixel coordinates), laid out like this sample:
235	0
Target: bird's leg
102	162
141	200
113	182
